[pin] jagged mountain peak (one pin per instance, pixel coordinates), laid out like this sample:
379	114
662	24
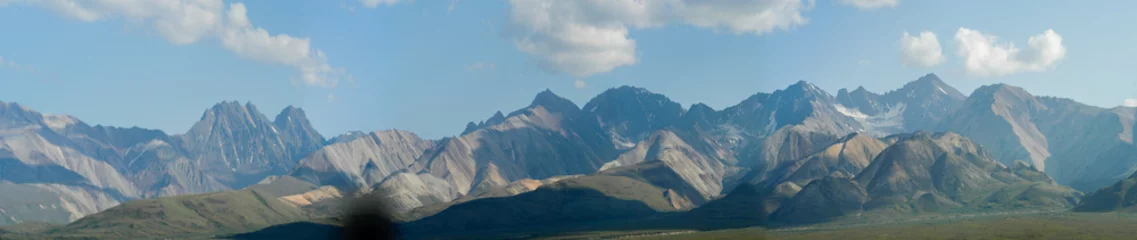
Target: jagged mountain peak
930	78
631	112
553	103
1004	95
803	87
292	115
497	117
999	89
12	113
701	108
928	85
627	93
291	110
229	108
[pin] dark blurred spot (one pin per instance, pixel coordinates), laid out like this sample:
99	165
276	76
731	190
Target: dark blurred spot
368	219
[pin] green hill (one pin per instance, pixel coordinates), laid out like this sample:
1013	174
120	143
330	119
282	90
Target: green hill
1122	196
576	200
192	215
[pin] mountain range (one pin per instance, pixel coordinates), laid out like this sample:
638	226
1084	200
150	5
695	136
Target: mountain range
56	168
805	155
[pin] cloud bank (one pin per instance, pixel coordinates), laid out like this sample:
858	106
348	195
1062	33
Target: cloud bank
587	37
870	4
985	55
189	21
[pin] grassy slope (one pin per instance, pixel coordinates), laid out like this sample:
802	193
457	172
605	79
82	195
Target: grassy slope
579	202
1024	226
231	211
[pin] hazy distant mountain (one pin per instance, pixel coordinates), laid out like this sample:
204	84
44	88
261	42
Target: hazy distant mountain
56	168
46	176
1083	146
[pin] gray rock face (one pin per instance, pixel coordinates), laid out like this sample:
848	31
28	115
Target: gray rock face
298	132
238	146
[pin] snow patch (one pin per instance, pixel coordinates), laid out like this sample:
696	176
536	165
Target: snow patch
55	121
888	122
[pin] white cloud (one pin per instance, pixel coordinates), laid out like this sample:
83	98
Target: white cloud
376	3
189	21
870	4
922	50
984	55
1129	102
579	84
587	37
450	8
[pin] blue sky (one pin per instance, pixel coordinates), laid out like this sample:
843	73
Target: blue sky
428	67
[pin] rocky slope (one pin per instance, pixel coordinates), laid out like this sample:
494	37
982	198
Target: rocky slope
363	161
847	157
1079	145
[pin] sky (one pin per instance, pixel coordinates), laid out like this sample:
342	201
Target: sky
430	66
